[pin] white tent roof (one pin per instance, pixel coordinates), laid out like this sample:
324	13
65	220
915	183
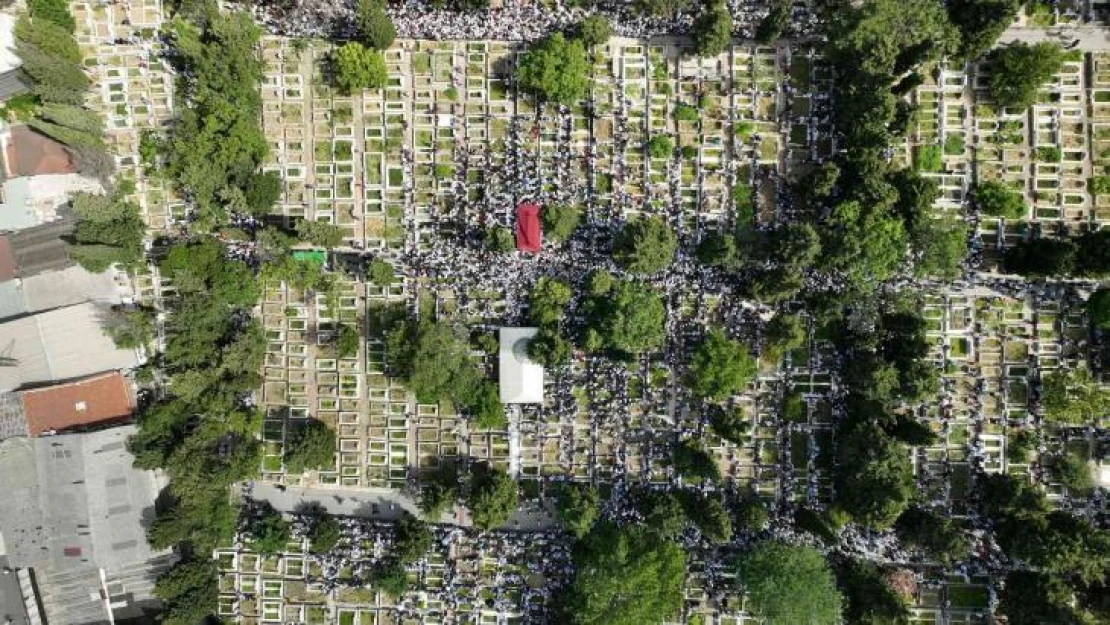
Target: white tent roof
521	379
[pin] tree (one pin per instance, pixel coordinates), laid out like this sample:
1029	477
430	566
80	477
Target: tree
663	513
997	199
357	67
561	220
411	539
374	25
661	8
1073	471
941	246
1092	257
52	39
486	407
493	496
630	318
130	329
499	239
712	30
730	424
109	230
693	462
269	532
937	535
659	146
874	482
56	11
718	250
868	597
434	360
347	343
549	299
435	498
719	367
1098	309
390	576
189	591
324	534
549	349
594	30
710	516
577	505
1018	70
262	192
981	23
310	447
1041	257
1033	598
645	245
774	23
789	584
751	515
624	576
381	273
555	69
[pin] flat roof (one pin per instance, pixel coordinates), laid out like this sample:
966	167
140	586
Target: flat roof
521	380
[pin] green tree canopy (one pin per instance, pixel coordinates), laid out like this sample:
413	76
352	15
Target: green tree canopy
709	515
935	534
874	481
269	532
719	367
1041	257
624	576
1032	598
1074	397
188	590
549	299
730	424
434	360
381	273
1017	71
629	318
493	496
549	349
311	446
577	505
411	539
659	146
555	69
1098	309
789	584
499	239
324	534
712	30
694	462
560	220
646	245
357	67
594	30
998	199
981	23
868	598
374	25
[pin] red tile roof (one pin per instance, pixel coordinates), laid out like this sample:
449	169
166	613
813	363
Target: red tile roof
32	154
529	237
96	400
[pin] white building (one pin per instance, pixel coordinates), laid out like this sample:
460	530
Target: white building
521	379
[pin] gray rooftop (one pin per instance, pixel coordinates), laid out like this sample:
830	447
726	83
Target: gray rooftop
58	289
75	505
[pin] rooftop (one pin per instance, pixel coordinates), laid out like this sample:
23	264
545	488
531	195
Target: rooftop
29	153
521	379
97	400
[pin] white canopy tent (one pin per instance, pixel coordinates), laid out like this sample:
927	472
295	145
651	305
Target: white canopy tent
521	379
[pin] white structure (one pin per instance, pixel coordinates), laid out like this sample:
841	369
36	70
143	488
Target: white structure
521	379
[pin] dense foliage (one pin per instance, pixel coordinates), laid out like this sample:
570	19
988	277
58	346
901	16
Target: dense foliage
577	505
624	576
310	446
1017	71
493	496
645	245
789	584
357	67
555	69
719	367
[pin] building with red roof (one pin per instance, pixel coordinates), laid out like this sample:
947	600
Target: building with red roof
529	234
99	400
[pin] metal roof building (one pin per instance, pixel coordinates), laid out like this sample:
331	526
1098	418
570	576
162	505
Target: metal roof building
58	345
521	380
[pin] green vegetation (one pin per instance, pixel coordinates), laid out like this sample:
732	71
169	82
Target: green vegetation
628	318
660	146
720	367
357	67
324	534
774	23
560	221
373	24
577	505
1073	397
269	532
381	273
320	233
712	29
694	462
624	576
499	239
555	69
130	329
594	30
941	538
109	231
493	496
789	584
645	245
981	23
347	342
1018	71
310	446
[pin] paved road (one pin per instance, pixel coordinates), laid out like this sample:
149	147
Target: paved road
381	504
1091	38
